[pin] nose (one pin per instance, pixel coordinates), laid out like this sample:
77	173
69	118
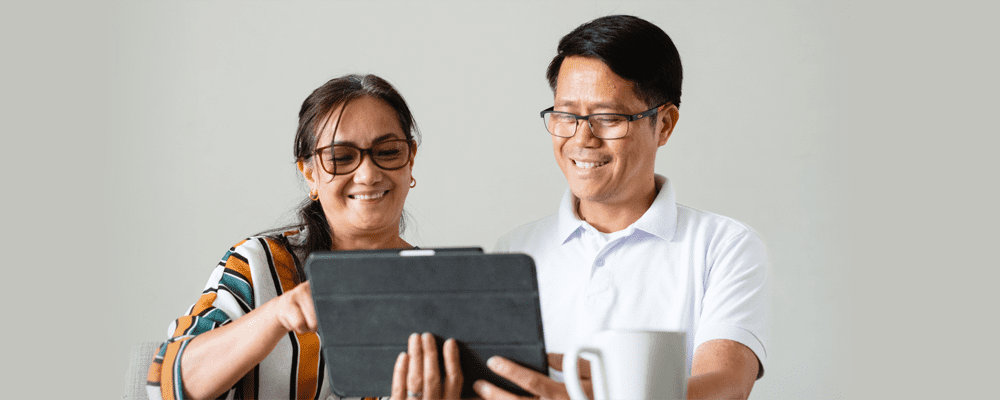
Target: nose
584	134
367	173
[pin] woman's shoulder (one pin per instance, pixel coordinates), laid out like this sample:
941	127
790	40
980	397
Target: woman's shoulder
284	236
271	245
266	255
290	236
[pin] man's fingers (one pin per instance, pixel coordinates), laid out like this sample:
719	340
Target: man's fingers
555	361
453	371
582	366
415	374
432	376
489	391
399	378
531	381
588	388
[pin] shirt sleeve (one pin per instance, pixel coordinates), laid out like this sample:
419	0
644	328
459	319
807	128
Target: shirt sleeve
735	306
228	295
502	245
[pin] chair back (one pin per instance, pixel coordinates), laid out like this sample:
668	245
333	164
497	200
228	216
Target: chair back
138	368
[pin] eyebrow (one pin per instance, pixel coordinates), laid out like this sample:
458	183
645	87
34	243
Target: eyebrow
612	106
387	136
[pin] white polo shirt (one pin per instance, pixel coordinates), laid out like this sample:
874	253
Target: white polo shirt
674	269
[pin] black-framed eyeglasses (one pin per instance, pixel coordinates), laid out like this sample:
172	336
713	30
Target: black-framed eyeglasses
603	125
341	159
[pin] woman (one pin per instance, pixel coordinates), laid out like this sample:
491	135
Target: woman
251	334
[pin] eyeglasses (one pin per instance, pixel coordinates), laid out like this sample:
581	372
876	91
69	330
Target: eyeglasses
602	125
341	159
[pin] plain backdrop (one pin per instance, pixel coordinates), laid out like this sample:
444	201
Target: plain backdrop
146	138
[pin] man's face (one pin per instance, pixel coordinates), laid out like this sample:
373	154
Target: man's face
607	171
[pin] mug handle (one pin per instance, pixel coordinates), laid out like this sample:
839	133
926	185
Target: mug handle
572	376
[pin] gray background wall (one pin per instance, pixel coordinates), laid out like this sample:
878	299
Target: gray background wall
149	137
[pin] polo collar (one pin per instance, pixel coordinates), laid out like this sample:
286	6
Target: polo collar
569	223
661	217
659	220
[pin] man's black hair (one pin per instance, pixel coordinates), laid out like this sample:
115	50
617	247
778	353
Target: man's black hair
632	48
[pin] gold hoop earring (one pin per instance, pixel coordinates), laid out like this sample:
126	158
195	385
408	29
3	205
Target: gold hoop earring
313	196
413	182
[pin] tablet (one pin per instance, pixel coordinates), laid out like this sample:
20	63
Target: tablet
369	302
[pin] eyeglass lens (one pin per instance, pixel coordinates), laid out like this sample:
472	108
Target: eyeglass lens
604	126
389	155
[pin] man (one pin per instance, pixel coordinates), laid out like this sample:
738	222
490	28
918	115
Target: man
620	253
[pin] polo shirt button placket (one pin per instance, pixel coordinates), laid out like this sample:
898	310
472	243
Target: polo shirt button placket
601	277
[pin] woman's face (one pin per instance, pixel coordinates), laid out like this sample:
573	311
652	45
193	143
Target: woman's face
368	202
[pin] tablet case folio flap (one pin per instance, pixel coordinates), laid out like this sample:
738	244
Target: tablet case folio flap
369	305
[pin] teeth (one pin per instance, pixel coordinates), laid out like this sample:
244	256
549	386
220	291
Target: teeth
368	196
586	165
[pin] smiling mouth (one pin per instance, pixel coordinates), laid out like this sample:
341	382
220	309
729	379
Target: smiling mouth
372	196
589	165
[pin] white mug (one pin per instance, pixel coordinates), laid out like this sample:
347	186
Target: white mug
631	365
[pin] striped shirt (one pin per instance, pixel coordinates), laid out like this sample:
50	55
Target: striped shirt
250	274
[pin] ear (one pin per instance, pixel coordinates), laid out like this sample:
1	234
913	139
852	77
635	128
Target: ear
666	121
413	154
308	171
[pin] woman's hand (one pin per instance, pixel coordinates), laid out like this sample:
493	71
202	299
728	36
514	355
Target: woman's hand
215	360
417	376
294	309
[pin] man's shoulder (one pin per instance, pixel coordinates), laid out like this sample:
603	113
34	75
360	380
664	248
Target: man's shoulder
528	235
701	222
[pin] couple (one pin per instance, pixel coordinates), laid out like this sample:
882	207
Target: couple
618	254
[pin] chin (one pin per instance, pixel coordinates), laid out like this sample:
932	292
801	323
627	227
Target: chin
586	193
584	186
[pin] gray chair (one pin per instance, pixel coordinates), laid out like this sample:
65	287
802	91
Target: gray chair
138	368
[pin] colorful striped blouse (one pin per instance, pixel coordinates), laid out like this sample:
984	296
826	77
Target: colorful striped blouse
250	274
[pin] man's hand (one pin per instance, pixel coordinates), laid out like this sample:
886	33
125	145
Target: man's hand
722	369
533	382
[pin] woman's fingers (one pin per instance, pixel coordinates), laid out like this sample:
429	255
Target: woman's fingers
303	297
418	375
399	377
291	317
432	376
295	311
453	371
415	373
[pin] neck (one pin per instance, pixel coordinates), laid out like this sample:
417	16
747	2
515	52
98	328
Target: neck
613	216
369	241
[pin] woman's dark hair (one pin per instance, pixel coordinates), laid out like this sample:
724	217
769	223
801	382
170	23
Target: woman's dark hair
634	49
315	113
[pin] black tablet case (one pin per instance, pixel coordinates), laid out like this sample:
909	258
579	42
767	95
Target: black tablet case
368	303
